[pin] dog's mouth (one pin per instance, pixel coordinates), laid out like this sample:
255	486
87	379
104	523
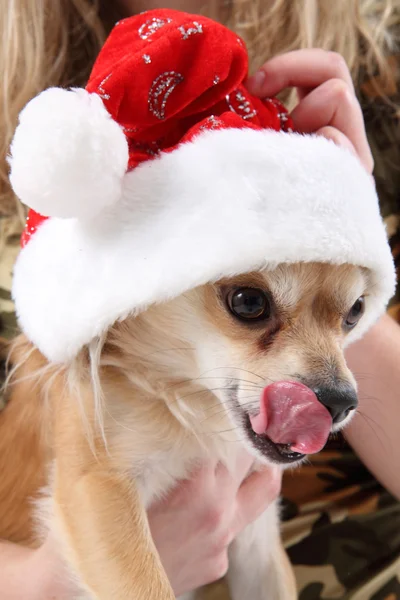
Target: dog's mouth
290	423
278	453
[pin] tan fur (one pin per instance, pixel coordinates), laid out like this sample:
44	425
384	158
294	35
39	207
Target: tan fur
24	448
99	510
159	382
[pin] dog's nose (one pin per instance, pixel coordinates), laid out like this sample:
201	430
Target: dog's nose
339	400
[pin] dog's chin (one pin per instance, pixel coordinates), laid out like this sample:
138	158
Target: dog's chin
266	449
270	452
260	445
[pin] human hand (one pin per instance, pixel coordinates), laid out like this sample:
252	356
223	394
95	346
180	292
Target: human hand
194	526
327	104
192	529
33	574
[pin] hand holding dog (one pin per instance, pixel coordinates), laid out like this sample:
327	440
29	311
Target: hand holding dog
327	106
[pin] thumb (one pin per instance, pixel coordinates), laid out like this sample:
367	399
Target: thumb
255	494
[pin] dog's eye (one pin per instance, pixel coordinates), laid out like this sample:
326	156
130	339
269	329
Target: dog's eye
249	304
355	313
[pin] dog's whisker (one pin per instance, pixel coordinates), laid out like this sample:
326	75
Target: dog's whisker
232	369
362	376
201	378
118	422
247	387
222	411
205	391
366	397
371	423
231	379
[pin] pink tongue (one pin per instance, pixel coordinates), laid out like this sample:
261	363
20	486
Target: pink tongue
290	413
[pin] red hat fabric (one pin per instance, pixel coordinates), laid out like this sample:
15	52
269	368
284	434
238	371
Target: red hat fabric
192	71
164	174
189	75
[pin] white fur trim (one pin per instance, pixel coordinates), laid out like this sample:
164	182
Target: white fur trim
68	156
232	201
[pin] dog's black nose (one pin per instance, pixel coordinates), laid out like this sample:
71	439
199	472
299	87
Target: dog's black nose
339	399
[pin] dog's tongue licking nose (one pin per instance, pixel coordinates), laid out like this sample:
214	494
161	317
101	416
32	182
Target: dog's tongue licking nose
290	413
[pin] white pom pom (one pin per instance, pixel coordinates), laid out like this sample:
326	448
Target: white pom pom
68	156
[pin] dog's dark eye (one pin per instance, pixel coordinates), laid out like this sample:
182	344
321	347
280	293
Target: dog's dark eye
355	313
249	304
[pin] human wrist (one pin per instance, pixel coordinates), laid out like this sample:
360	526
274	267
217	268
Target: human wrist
18	577
46	569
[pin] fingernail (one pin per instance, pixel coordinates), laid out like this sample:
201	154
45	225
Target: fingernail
255	82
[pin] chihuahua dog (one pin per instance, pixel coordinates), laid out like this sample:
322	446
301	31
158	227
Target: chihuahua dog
252	362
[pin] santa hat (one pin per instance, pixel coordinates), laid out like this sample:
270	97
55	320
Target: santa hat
164	174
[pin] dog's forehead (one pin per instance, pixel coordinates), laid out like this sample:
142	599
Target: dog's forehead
303	283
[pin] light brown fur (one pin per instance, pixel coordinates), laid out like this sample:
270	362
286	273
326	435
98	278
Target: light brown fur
24	448
155	390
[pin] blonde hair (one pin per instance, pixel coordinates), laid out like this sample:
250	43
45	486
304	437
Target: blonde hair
55	42
358	29
44	43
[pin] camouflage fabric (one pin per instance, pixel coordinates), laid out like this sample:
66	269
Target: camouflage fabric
340	526
9	247
341	529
